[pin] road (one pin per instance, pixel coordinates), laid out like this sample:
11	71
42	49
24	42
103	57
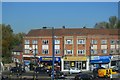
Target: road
42	76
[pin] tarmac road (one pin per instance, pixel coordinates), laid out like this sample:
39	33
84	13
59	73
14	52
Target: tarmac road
30	76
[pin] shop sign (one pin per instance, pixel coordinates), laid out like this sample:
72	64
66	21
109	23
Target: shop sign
115	57
100	57
49	59
75	58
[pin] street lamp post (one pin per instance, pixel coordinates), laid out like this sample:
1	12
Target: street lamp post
53	55
35	62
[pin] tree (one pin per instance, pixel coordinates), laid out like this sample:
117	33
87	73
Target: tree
7	40
114	23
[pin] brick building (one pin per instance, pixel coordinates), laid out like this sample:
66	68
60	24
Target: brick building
83	48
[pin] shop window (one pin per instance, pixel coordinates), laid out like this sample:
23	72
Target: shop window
44	51
72	64
66	65
45	42
83	64
81	41
69	41
113	63
103	41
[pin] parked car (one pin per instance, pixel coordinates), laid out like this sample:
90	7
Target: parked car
106	72
40	70
117	69
58	75
83	76
17	70
95	71
74	70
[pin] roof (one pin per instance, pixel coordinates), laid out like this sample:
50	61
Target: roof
72	31
18	48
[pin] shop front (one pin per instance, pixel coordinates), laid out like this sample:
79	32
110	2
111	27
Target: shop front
47	62
97	61
115	61
74	62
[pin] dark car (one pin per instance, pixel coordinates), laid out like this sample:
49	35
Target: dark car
40	70
83	76
17	70
58	75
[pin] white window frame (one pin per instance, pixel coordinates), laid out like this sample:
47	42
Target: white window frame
69	41
45	42
44	51
27	51
94	51
57	51
69	51
103	41
112	42
81	41
27	42
94	42
81	51
34	42
57	41
104	51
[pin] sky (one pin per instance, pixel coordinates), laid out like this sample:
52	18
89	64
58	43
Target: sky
24	16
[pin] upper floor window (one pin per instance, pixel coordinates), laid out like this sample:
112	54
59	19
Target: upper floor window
34	41
69	51
104	51
94	42
118	41
45	51
93	51
57	51
112	41
35	51
103	41
27	51
81	51
69	41
45	42
112	51
27	42
57	41
81	41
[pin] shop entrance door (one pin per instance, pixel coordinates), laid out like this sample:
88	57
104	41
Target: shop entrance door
79	65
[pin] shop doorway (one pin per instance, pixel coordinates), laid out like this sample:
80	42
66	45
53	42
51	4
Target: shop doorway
79	65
